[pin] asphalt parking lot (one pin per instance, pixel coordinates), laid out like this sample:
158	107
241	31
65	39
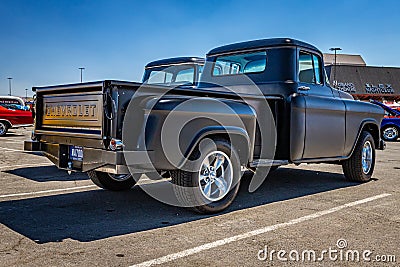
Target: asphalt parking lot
51	218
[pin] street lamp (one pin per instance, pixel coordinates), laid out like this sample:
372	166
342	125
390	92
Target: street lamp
9	85
81	68
334	73
26	94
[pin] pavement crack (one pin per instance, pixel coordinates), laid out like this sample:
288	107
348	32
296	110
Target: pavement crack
14	247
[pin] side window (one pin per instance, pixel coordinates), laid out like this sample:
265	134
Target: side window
186	75
310	68
159	77
306	70
317	70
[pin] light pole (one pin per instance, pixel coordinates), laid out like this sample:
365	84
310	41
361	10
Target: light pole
26	94
81	68
9	85
334	73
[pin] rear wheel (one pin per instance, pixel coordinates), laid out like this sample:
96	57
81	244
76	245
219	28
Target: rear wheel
113	182
273	168
213	183
390	133
360	166
3	128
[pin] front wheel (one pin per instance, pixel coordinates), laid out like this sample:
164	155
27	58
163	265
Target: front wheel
360	166
213	182
390	133
113	182
3	128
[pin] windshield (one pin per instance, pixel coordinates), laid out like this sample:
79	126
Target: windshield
14	106
176	74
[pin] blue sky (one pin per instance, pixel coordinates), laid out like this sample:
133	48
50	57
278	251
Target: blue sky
45	42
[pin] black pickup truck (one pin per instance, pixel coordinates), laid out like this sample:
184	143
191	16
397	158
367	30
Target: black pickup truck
259	104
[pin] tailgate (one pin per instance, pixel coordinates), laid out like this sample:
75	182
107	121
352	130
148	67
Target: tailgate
75	123
74	111
77	112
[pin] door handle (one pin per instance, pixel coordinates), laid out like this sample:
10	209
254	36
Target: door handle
304	88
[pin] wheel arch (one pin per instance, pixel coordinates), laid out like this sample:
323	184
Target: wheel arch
9	124
237	136
373	128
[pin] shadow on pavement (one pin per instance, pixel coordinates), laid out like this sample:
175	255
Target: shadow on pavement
93	215
47	174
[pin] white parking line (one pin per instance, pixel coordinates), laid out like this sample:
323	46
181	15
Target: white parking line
11	142
221	242
10	149
29	194
16	150
8	168
47	191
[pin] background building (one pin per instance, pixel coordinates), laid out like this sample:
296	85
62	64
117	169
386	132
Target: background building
362	81
344	59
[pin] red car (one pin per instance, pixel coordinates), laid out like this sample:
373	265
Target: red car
14	116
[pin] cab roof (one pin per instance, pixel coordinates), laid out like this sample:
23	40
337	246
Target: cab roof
175	61
249	45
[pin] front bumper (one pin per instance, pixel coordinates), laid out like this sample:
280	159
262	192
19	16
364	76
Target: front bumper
117	162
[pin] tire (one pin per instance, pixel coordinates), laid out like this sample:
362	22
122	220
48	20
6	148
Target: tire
158	175
113	182
360	166
3	128
390	133
216	168
273	168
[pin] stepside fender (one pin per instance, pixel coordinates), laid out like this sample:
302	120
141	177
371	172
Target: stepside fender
372	126
361	116
177	124
237	136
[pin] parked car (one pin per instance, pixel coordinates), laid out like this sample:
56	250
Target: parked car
14	116
11	100
390	127
115	131
178	71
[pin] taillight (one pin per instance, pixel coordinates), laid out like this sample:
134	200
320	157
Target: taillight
116	144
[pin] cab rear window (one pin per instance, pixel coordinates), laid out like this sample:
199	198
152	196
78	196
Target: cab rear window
243	63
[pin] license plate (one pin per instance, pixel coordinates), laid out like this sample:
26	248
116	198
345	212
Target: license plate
76	153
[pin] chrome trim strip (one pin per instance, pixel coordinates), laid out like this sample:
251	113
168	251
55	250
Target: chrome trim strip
173	64
92	136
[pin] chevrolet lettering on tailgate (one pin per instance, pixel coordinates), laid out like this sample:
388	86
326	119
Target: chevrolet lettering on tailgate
60	110
82	111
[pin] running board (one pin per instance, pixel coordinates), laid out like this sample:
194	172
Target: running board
267	162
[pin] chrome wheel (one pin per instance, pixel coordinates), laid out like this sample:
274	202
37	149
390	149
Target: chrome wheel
367	156
215	176
3	128
390	133
120	177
